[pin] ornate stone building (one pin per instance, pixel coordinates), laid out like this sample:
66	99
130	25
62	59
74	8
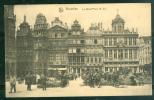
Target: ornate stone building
94	48
40	43
120	47
24	47
145	53
10	49
57	47
76	52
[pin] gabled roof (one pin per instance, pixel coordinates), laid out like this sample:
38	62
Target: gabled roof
57	27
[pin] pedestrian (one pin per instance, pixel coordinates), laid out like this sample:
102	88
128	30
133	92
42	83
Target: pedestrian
43	82
37	78
12	83
28	81
92	80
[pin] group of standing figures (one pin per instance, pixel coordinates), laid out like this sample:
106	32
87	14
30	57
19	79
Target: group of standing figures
30	79
94	78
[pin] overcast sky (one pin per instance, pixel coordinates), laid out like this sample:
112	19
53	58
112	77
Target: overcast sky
135	15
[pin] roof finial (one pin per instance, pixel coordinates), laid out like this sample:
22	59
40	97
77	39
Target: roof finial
117	11
24	18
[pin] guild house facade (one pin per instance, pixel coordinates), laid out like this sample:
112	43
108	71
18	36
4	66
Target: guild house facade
48	48
24	48
145	54
120	47
10	49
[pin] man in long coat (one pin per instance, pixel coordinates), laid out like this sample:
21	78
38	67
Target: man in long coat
12	83
28	82
43	82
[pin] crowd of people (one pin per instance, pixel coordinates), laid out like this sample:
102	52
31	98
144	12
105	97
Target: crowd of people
95	78
92	78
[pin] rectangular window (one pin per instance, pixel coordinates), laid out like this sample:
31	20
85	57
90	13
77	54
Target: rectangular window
121	54
135	54
106	69
130	54
78	50
56	35
115	41
110	41
130	41
87	59
82	59
95	59
81	41
115	53
78	59
110	53
70	60
95	41
74	59
126	54
91	60
106	53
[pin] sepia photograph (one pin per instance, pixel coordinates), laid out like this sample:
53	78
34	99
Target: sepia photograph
73	50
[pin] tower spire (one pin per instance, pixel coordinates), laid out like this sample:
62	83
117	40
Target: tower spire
24	18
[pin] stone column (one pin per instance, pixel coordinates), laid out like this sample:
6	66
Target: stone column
128	53
113	53
117	54
132	53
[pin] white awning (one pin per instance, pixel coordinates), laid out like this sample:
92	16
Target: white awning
57	68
